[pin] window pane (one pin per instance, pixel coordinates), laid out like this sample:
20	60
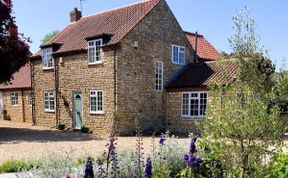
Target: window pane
185	104
158	75
175	54
194	107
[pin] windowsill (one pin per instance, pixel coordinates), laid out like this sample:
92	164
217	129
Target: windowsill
95	63
97	113
177	63
49	111
48	68
192	117
14	105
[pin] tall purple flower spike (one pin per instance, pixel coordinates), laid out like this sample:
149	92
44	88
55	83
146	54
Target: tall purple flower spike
162	140
191	160
89	170
148	168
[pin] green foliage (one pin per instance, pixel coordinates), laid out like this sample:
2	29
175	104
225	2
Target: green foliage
279	168
239	121
17	166
127	164
49	36
167	159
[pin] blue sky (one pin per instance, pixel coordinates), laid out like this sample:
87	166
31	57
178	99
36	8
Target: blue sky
212	18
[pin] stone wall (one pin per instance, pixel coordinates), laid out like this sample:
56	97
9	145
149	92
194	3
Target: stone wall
23	111
42	80
76	75
174	121
138	103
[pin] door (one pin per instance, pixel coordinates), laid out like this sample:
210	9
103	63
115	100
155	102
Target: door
77	111
1	105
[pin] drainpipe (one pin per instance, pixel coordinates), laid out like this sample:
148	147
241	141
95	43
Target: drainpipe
32	93
115	79
56	80
23	105
196	46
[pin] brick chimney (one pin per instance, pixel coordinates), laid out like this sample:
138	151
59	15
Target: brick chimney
75	15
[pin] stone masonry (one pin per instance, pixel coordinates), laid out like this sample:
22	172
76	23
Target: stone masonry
23	111
126	76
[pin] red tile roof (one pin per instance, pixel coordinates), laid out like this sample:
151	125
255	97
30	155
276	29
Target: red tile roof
21	79
117	22
202	74
205	50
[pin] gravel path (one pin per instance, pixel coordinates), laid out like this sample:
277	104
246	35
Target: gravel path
21	141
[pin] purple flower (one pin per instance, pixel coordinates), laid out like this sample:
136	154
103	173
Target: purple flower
191	160
68	176
89	170
193	146
114	176
148	168
162	140
186	158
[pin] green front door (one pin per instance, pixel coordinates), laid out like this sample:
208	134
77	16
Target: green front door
77	111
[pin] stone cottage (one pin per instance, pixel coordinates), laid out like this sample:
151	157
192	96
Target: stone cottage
128	61
16	98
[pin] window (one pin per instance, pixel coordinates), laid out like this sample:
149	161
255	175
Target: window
194	104
159	75
95	51
14	99
49	99
47	58
178	54
30	98
96	101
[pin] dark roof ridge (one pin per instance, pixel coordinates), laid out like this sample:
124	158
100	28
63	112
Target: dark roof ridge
223	60
191	33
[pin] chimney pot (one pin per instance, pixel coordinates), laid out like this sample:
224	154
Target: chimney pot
75	15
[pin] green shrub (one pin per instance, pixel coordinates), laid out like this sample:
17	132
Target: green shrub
17	166
279	168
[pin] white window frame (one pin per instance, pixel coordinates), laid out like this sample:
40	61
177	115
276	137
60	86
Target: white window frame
15	98
189	115
30	99
46	56
96	95
49	99
159	70
94	47
177	61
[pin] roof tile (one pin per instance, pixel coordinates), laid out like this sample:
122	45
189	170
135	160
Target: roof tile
203	74
117	22
205	50
21	79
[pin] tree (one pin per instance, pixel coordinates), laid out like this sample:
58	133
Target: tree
238	117
49	36
14	49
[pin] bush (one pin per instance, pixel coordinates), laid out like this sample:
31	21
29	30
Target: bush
17	166
279	168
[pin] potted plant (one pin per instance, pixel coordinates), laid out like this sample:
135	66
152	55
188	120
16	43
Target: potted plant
85	129
61	127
